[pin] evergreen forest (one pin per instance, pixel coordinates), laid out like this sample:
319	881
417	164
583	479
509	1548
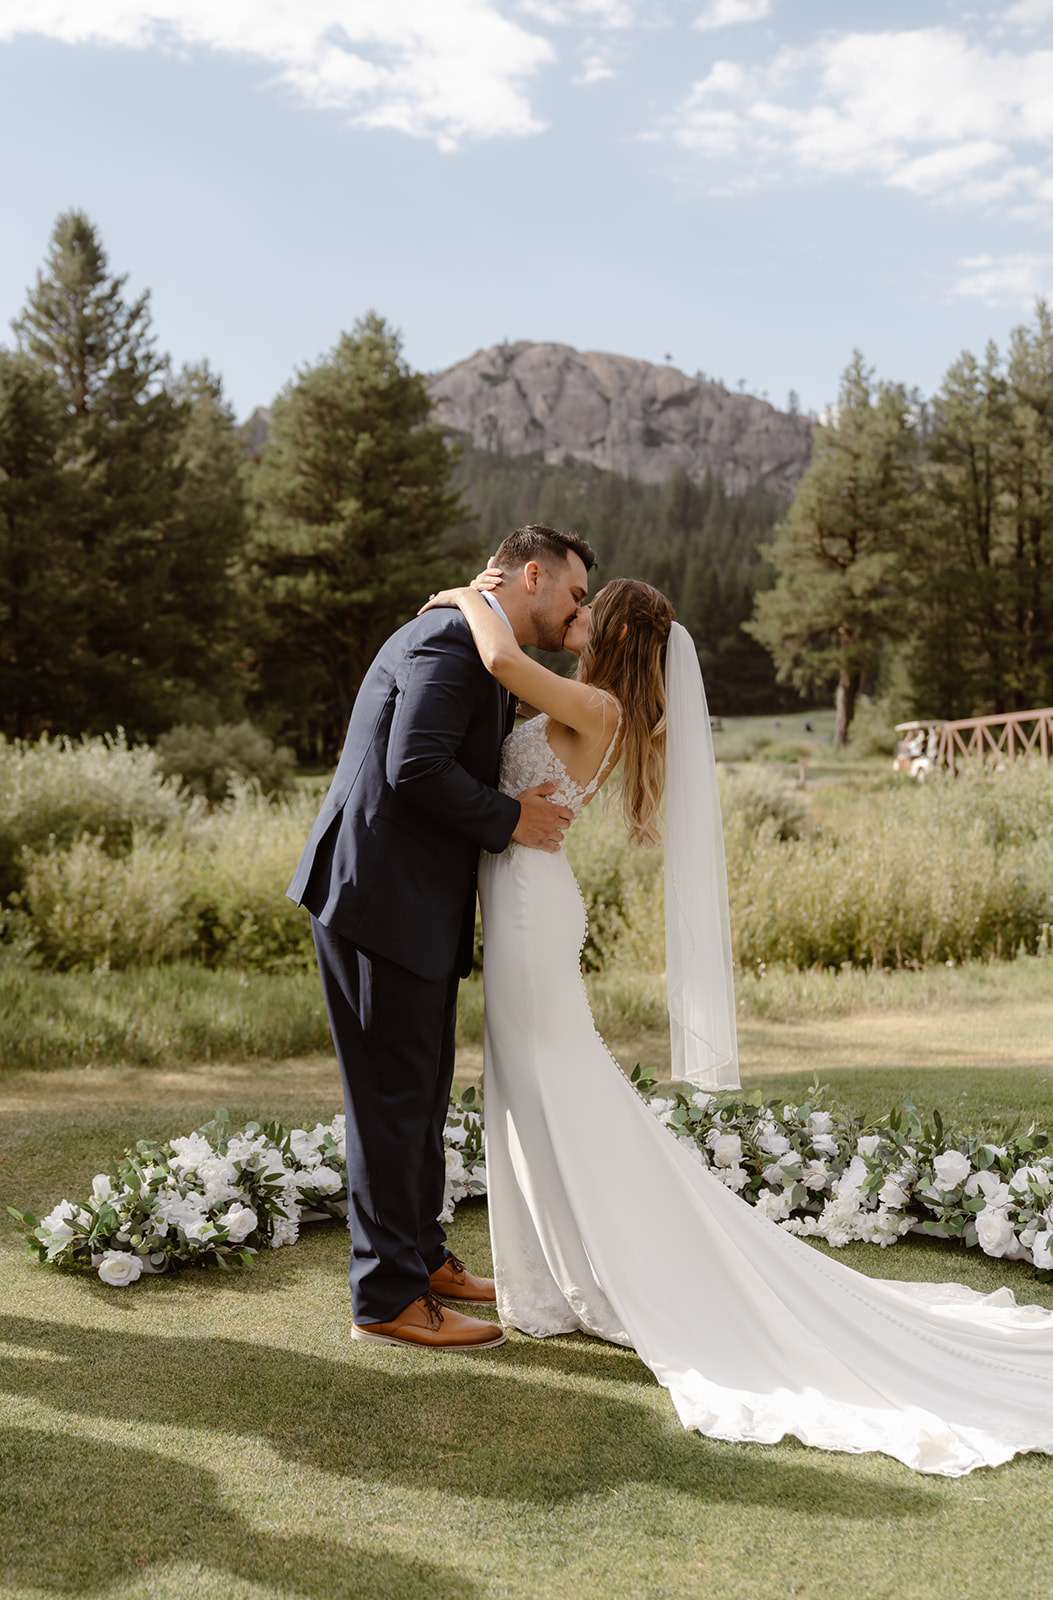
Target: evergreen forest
694	541
163	570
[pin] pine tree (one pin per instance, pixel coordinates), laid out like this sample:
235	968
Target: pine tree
43	604
838	554
981	559
151	560
77	325
355	505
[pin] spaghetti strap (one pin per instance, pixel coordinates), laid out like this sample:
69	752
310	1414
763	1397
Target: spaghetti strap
603	770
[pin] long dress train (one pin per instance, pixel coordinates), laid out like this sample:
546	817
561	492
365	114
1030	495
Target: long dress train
603	1222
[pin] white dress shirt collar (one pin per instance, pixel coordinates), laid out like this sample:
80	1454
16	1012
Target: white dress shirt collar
495	604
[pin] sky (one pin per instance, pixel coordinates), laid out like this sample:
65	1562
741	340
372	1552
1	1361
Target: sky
752	189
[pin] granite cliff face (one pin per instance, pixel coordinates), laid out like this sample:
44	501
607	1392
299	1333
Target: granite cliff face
623	415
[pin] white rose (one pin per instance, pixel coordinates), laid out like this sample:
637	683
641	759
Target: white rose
702	1102
201	1231
187	1152
853	1177
994	1231
57	1222
868	1145
1042	1252
323	1180
774	1143
776	1207
951	1169
815	1175
726	1148
825	1143
119	1267
1023	1179
101	1187
455	1168
892	1193
179	1211
239	1222
733	1177
821	1122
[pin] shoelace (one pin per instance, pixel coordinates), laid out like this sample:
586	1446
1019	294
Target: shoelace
434	1307
455	1262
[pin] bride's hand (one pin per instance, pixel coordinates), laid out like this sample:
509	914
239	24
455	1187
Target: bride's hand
445	597
490	578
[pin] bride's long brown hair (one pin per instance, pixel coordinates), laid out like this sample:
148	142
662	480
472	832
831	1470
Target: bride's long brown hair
625	654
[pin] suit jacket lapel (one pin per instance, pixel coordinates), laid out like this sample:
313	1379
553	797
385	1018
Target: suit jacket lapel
508	710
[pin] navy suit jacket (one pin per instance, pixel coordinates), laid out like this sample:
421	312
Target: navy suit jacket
391	860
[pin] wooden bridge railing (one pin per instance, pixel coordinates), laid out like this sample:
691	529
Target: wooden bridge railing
998	740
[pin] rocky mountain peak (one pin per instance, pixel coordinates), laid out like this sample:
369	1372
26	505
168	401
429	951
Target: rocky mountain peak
625	416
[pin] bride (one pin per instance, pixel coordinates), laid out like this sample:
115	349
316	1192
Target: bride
601	1220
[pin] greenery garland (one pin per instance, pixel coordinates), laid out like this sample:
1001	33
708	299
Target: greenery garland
216	1196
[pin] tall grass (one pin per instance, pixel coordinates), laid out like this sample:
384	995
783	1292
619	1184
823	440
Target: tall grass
107	864
949	872
164	1016
109	867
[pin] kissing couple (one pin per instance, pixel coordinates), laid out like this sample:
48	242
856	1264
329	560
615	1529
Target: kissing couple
602	1222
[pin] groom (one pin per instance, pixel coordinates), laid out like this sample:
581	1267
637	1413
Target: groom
388	876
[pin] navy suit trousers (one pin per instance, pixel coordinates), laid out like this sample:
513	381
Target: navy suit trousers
394	1037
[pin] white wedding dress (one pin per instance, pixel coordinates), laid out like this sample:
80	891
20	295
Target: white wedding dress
603	1222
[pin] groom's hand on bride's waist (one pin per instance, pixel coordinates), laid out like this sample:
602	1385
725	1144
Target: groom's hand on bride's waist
542	823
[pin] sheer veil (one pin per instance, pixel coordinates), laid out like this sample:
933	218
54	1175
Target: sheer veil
699	977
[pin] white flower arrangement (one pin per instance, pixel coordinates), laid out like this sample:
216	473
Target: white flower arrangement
833	1178
215	1196
218	1197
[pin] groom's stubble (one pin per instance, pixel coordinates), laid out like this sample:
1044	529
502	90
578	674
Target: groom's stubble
555	603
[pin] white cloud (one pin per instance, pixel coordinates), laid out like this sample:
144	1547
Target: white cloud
998	279
1029	13
922	109
445	71
594	70
726	13
561	13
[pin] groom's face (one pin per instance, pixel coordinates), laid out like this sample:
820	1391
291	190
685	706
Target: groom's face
560	591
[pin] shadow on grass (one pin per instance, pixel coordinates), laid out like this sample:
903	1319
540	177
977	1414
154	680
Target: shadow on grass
495	1425
167	1511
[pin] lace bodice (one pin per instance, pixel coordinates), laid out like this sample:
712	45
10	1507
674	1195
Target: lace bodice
527	759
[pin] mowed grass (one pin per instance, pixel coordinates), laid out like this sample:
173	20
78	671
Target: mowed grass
220	1436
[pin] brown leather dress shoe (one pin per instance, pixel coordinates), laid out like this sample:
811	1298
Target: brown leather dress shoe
454	1282
430	1326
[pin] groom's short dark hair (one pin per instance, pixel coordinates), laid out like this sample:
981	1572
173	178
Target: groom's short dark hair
546	546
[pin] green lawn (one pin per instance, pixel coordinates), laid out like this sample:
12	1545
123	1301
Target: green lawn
221	1437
